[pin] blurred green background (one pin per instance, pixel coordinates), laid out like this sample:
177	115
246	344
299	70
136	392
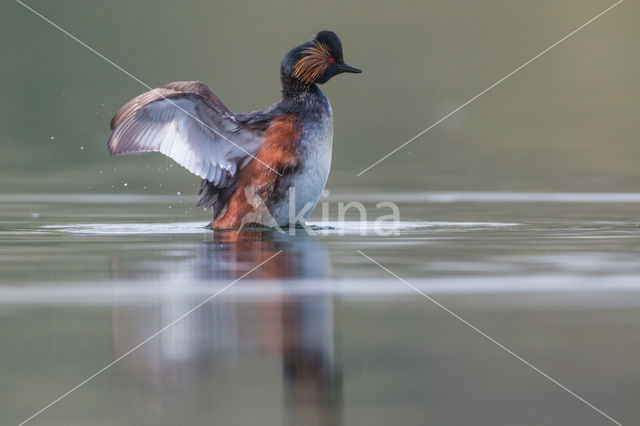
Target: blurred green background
566	122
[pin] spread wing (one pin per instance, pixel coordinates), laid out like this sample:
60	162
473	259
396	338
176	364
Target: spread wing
189	123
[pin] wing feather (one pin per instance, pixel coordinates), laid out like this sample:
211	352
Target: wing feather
187	122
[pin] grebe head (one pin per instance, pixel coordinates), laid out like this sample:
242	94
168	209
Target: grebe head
317	60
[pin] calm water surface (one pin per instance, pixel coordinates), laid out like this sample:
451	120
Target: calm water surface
319	334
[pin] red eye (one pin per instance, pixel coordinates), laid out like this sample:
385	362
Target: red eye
331	60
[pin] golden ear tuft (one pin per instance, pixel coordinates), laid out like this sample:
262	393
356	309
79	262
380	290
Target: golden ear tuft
314	62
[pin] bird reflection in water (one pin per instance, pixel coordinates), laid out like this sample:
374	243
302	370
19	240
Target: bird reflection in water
295	327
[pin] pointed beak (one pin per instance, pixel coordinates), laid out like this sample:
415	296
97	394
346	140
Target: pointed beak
349	68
